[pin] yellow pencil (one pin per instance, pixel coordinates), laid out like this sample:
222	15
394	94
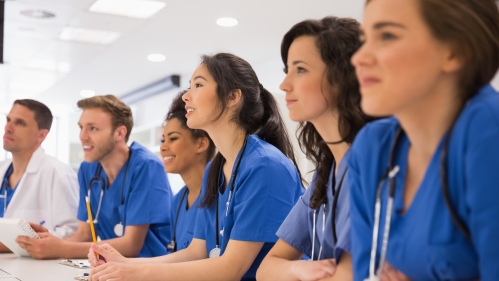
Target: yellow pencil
90	219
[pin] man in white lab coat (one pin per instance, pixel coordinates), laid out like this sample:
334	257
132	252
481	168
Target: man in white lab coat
35	186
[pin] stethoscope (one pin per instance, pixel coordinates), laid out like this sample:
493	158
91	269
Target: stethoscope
333	214
391	172
172	246
118	228
215	252
4	186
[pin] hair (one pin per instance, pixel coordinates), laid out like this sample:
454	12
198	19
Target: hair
258	113
43	115
177	111
121	114
471	28
337	39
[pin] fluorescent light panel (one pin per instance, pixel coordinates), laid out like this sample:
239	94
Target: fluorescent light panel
88	35
62	67
139	9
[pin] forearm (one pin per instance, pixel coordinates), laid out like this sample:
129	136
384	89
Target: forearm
4	249
276	268
217	269
344	269
185	255
79	237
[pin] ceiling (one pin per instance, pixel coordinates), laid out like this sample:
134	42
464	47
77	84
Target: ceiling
182	31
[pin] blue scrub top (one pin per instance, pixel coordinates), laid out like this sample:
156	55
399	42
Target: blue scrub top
267	187
297	228
424	243
6	189
186	219
147	200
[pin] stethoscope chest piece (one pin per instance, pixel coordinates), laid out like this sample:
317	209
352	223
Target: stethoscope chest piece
214	253
118	229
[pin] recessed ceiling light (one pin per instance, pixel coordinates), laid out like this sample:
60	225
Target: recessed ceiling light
156	57
87	93
88	35
139	9
227	22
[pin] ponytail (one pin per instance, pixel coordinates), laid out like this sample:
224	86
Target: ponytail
258	113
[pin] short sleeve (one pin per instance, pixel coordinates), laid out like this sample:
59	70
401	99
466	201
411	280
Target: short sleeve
295	230
149	201
360	209
482	176
82	208
266	192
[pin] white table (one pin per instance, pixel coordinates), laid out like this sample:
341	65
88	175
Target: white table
27	269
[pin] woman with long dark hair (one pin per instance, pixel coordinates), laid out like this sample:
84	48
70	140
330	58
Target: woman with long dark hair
424	184
248	189
185	152
322	94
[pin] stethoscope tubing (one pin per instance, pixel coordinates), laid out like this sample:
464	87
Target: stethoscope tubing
233	180
98	178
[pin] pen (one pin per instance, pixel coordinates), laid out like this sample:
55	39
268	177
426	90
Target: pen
42	222
90	219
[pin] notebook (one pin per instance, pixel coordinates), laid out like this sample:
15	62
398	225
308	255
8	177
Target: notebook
11	228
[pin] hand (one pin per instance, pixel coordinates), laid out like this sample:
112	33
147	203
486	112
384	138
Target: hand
392	274
313	270
47	247
116	272
106	254
38	228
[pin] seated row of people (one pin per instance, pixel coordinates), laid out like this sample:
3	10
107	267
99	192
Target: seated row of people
435	169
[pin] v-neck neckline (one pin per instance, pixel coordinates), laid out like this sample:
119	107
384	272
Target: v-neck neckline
402	160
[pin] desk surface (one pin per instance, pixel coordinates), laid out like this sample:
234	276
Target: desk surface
27	269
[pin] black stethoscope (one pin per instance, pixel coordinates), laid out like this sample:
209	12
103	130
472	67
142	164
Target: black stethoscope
215	252
336	194
172	246
391	172
118	228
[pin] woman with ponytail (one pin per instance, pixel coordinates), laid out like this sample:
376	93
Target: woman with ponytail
322	93
248	189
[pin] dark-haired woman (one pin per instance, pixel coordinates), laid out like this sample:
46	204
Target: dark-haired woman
248	189
425	183
322	94
185	152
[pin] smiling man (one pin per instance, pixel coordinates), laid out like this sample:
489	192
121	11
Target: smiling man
35	186
127	187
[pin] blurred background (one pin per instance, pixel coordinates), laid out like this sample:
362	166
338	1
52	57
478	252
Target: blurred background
60	51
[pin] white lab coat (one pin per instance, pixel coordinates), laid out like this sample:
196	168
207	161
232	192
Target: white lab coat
47	191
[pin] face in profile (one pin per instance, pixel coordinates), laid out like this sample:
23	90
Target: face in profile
21	130
201	99
96	134
308	93
178	149
400	63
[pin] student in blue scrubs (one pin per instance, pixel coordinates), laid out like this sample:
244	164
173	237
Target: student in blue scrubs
185	152
330	117
128	190
434	165
248	189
